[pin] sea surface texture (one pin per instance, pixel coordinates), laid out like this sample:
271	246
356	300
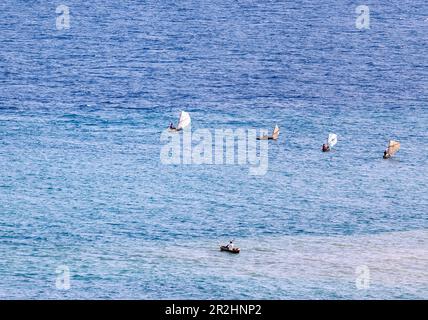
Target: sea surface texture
85	196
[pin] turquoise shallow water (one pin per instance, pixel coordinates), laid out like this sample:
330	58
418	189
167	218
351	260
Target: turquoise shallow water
82	184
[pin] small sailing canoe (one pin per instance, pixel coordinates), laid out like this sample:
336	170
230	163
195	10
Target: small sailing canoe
393	147
183	122
274	136
233	250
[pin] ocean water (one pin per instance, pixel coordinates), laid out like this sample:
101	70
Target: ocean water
82	184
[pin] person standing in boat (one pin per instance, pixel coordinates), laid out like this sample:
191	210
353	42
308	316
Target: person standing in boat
325	147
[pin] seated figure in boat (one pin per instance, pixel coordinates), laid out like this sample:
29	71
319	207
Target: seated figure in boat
386	155
230	245
325	147
171	126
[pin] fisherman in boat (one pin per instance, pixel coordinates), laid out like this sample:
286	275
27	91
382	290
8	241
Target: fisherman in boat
171	126
230	248
230	245
386	155
325	147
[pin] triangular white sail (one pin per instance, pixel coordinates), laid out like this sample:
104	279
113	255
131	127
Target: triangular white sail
275	134
393	147
332	140
184	120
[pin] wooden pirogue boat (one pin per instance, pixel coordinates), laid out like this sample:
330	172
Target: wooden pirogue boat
233	250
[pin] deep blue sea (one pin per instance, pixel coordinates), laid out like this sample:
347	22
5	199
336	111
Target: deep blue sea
81	181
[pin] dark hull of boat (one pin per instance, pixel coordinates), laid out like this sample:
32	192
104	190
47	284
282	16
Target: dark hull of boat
234	250
265	138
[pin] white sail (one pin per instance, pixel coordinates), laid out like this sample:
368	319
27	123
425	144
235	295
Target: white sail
275	134
184	120
393	147
332	139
